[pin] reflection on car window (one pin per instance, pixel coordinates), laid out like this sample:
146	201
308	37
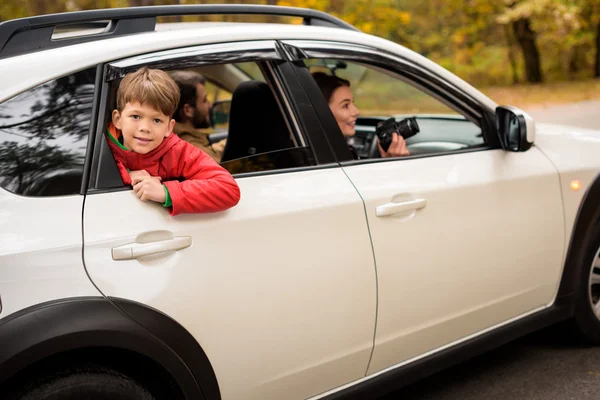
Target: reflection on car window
43	136
252	70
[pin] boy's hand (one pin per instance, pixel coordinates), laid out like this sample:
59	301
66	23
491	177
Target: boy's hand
150	188
138	176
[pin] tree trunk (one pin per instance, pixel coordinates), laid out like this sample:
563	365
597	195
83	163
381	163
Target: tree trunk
526	38
597	63
573	67
511	55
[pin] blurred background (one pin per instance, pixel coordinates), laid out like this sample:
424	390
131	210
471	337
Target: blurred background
522	52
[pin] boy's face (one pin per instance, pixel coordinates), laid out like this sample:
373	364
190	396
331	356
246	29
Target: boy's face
143	127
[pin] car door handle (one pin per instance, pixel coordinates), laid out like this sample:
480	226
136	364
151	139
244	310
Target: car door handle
396	208
132	251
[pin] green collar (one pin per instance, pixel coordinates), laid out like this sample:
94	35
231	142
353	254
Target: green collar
115	141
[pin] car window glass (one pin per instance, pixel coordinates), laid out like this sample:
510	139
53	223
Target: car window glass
251	69
43	136
216	93
379	95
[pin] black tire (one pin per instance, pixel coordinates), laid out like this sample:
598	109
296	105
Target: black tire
89	382
586	323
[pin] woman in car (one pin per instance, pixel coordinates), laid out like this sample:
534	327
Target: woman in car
341	102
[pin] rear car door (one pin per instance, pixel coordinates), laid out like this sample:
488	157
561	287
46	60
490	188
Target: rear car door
466	236
280	290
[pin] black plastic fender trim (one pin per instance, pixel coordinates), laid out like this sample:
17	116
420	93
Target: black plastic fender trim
179	340
35	333
587	216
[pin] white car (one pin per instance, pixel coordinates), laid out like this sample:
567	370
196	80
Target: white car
333	277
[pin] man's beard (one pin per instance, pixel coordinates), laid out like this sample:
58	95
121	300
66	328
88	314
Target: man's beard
200	121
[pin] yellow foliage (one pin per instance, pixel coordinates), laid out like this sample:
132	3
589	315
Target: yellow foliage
470	37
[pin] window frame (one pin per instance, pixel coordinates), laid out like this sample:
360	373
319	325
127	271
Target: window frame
413	74
104	175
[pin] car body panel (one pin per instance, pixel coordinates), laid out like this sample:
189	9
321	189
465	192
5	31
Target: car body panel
574	151
40	258
279	291
463	255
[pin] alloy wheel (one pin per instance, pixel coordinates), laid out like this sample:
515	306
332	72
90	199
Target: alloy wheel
594	285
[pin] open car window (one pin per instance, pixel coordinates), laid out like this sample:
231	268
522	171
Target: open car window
246	127
380	94
250	128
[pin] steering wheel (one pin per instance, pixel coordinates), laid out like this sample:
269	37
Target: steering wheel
374	149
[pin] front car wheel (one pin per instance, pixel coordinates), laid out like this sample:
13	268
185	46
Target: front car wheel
587	301
84	382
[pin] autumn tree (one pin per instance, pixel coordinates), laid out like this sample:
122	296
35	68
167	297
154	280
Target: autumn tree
518	16
590	17
476	39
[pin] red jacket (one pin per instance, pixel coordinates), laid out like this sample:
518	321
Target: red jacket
196	183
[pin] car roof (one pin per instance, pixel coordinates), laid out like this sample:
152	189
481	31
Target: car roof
22	72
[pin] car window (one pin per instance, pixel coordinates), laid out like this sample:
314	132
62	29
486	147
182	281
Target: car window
380	94
43	136
248	128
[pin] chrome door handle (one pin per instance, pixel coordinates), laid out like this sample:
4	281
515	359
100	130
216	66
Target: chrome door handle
396	208
132	251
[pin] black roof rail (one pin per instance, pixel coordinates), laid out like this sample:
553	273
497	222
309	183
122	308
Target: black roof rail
26	35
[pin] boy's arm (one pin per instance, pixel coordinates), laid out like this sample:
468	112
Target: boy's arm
124	173
207	187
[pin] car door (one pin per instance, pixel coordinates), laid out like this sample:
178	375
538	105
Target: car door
280	290
466	236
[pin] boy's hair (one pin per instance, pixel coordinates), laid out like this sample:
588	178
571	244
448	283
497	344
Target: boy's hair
152	87
187	81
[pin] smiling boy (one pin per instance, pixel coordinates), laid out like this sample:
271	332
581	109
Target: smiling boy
157	163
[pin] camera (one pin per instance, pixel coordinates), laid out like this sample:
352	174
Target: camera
406	128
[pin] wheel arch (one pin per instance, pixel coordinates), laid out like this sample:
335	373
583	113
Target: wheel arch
587	216
45	330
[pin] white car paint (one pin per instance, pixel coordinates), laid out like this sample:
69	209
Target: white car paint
486	248
279	291
40	255
574	152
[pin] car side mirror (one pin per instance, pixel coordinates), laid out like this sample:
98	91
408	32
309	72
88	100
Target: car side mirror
219	113
516	128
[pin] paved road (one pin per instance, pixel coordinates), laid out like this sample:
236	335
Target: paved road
585	114
541	366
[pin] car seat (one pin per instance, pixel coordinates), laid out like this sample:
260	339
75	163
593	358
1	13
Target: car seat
256	124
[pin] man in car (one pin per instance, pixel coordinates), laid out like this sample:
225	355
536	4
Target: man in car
192	114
